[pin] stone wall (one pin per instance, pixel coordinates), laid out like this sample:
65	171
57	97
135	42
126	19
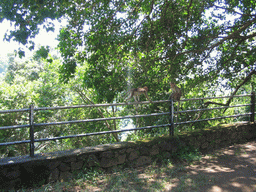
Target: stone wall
21	171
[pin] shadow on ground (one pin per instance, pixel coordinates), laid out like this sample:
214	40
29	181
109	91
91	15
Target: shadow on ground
229	169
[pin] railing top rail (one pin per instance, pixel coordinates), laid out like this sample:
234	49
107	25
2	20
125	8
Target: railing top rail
14	110
101	119
14	127
221	97
98	105
111	104
209	109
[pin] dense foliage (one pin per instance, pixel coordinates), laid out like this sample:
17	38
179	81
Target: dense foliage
107	47
144	42
36	82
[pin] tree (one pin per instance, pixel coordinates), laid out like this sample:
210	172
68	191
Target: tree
156	41
37	82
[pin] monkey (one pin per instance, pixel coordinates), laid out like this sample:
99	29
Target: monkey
136	92
175	95
176	92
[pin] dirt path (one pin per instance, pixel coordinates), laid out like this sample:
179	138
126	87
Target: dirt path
227	170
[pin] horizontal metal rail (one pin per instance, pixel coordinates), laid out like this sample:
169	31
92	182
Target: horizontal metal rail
14	110
210	119
14	127
80	106
112	104
100	133
14	143
99	105
100	119
209	109
221	97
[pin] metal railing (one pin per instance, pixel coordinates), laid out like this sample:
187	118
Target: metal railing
171	124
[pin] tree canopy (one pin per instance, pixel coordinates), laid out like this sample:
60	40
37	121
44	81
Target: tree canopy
143	42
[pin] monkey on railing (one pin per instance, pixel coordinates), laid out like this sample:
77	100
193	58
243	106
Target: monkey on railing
176	92
175	95
136	92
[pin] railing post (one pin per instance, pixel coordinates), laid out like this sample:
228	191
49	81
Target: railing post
252	107
31	123
171	127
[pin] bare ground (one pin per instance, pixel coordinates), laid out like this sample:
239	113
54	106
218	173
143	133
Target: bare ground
229	169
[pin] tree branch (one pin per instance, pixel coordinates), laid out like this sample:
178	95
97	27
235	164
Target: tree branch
230	36
233	11
232	95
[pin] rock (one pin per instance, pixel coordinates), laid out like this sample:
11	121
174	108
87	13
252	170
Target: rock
33	174
165	146
53	164
133	155
65	176
76	165
92	161
121	159
143	160
107	154
54	175
122	151
13	174
144	150
10	185
129	150
105	163
154	150
64	167
69	159
204	145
